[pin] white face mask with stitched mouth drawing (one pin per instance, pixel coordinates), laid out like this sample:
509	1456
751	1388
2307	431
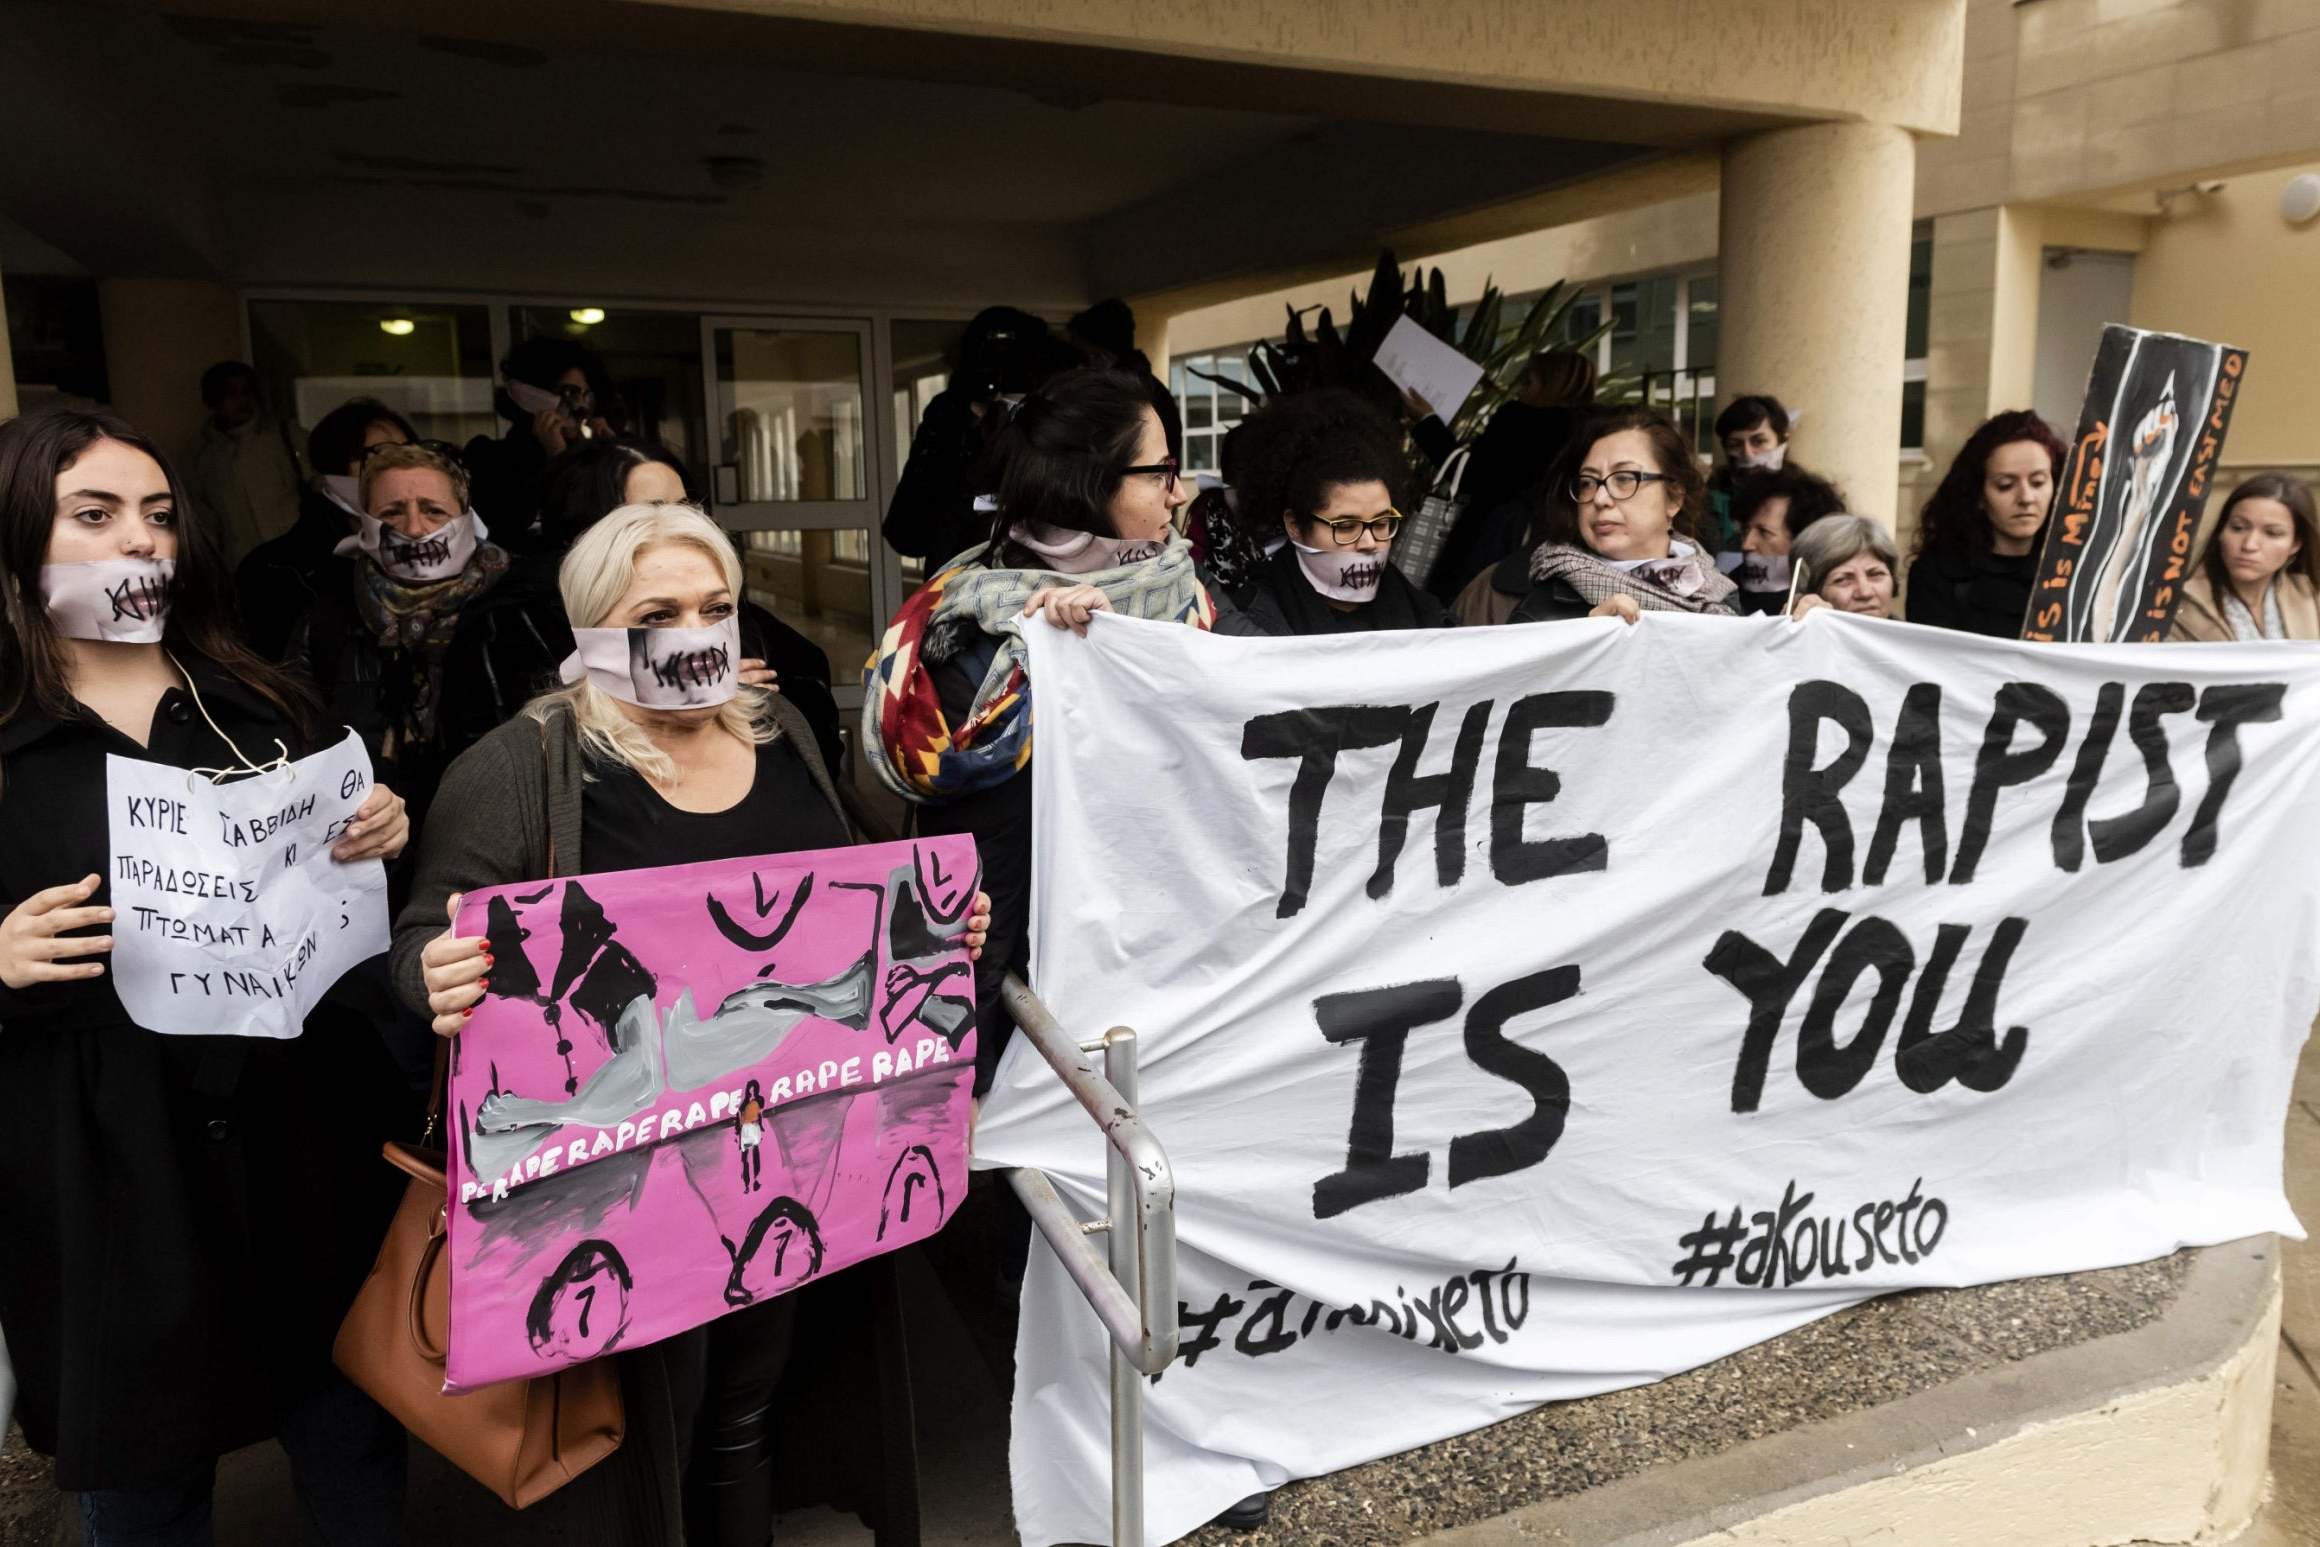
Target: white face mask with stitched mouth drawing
660	668
115	601
1342	574
439	555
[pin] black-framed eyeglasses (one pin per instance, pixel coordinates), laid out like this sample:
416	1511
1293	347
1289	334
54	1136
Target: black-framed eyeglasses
1345	531
1622	484
1168	471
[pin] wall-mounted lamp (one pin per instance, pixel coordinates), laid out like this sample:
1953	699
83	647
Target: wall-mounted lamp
2166	197
398	327
2300	200
587	316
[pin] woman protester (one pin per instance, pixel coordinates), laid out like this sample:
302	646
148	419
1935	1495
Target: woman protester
186	1217
554	394
1087	501
2260	576
378	644
1770	508
282	575
1617	535
1977	538
596	776
1846	562
1322	479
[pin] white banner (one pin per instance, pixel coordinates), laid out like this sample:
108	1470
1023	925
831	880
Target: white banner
229	915
1531	1012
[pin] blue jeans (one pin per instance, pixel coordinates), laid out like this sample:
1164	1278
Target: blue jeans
346	1461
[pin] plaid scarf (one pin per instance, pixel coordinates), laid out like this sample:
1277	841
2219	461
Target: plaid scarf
413	623
1704	590
968	610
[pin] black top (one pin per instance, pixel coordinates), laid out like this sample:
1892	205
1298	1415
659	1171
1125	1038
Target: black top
282	575
625	824
183	1219
1282	601
1983	593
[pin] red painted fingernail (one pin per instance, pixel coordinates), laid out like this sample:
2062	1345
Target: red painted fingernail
464	1014
483	982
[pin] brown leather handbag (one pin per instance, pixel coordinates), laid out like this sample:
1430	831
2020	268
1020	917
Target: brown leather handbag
522	1439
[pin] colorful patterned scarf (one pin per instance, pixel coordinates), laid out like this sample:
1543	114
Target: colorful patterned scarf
965	612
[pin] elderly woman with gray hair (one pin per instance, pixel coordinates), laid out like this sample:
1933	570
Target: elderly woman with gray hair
1846	562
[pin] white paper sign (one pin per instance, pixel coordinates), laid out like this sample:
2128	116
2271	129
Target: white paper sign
1533	1011
1416	359
229	915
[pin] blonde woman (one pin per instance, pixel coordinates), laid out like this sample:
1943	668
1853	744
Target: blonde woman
657	751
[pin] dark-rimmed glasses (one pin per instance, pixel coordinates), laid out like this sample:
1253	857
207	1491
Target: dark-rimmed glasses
1622	483
1168	471
1345	531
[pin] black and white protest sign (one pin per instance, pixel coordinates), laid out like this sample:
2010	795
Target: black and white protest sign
1529	1012
229	915
2126	510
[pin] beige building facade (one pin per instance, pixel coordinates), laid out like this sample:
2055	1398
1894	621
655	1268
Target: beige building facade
2134	161
772	216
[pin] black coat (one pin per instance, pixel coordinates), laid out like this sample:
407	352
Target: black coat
1281	601
932	515
1982	593
183	1219
282	575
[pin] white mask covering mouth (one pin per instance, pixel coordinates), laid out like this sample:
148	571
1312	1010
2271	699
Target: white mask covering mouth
1762	573
1769	462
660	668
116	601
1083	553
439	555
343	490
1342	574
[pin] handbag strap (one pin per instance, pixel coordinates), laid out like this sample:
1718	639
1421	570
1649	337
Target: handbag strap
1462	456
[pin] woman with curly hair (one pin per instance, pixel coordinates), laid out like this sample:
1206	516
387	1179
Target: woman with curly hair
1977	538
1321	482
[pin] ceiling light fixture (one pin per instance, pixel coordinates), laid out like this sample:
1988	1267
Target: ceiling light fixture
398	327
587	316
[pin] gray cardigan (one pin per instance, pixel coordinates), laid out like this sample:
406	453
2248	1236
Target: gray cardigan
509	810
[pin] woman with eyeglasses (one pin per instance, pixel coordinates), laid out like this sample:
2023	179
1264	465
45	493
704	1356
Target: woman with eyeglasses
1088	493
379	644
1322	477
1619	530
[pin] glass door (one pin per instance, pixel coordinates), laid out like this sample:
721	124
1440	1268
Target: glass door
796	474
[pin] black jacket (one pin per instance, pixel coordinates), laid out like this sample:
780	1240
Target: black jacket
280	578
503	484
1282	601
1982	593
183	1219
932	515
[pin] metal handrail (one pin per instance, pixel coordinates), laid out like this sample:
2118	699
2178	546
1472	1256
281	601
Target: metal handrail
1150	1342
1140	1189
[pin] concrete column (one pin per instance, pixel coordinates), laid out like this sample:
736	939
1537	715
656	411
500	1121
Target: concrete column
8	403
1813	282
160	335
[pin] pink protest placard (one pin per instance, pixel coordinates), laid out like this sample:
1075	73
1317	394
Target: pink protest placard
691	1089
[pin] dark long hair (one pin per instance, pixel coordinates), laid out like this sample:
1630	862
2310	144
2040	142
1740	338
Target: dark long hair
1671	456
1809	496
587	482
35	449
1058	460
2290	491
1294	450
1953	523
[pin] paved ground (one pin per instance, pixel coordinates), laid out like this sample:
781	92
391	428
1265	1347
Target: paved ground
1883	1350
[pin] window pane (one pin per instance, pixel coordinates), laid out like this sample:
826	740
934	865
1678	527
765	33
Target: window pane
924	353
1643	332
1913	415
1700	341
818	582
789	408
1920	290
654	362
429	362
